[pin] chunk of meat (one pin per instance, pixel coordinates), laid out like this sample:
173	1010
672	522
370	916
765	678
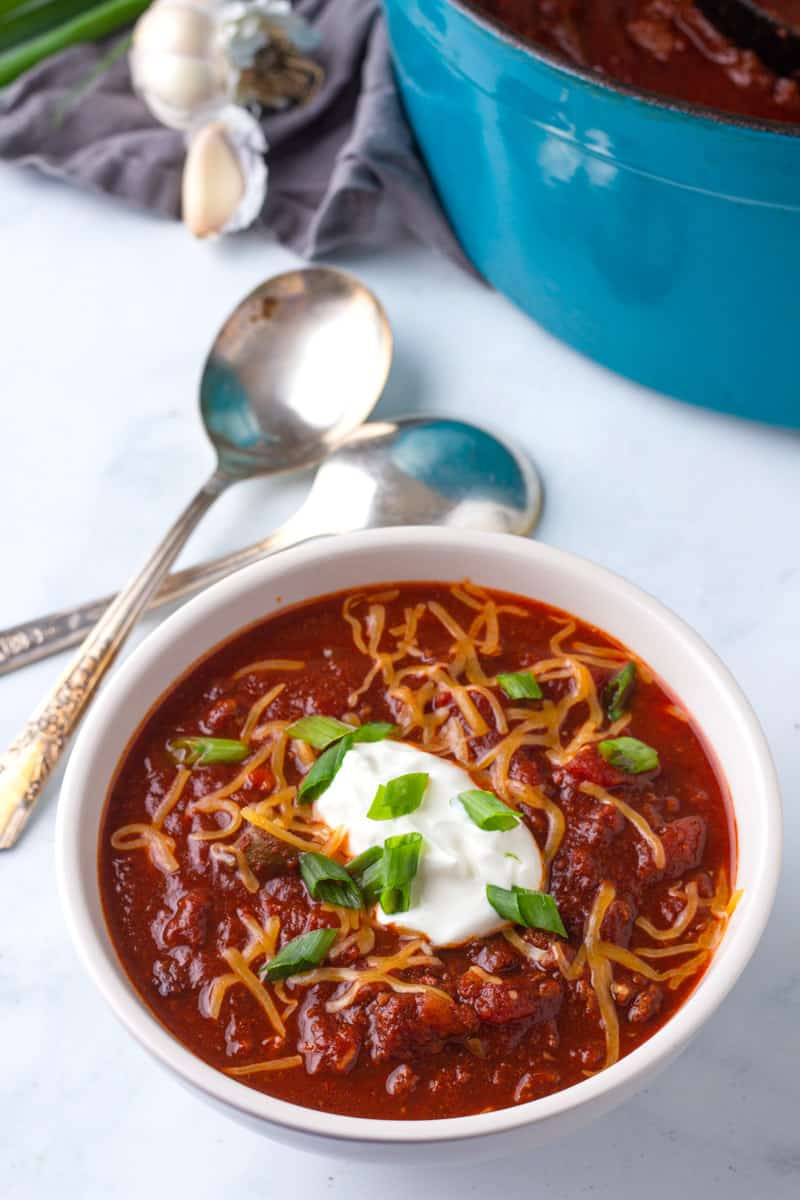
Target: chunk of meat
182	970
285	897
495	955
188	926
406	1025
618	922
522	995
589	767
647	1004
524	769
328	1041
535	819
684	841
267	856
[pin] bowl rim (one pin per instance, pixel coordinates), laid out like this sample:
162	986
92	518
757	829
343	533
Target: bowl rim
99	956
718	116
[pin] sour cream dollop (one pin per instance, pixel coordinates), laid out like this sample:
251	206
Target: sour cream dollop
448	895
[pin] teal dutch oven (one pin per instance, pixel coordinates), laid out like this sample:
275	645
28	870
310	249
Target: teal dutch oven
660	238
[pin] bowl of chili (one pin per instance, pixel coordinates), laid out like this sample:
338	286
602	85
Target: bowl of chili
637	197
415	862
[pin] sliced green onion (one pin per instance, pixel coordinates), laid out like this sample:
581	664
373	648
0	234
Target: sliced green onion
487	812
329	882
515	857
367	870
357	866
617	691
319	778
199	751
520	685
371	880
400	863
303	953
629	754
536	910
374	731
398	797
87	26
317	731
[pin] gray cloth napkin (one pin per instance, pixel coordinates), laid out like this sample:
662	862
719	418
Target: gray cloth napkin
339	166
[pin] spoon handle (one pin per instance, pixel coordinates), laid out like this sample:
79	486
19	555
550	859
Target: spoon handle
28	763
41	637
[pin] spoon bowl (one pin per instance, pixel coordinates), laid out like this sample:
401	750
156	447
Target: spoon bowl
296	367
420	471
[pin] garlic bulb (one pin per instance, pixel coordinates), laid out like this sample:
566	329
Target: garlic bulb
177	66
196	64
192	58
225	176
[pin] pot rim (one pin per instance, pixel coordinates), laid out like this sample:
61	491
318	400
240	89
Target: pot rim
473	12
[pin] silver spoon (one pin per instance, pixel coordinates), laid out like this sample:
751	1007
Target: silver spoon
297	366
415	471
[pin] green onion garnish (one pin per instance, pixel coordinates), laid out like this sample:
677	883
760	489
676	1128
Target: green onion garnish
198	751
398	797
629	754
371	879
357	866
487	812
303	953
374	731
617	691
536	910
520	685
326	880
319	732
367	870
318	779
399	866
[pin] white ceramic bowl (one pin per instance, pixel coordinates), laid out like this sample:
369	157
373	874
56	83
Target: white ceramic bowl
529	568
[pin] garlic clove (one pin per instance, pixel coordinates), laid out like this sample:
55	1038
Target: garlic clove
225	176
213	182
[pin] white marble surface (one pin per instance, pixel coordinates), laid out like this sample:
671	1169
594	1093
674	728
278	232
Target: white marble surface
105	316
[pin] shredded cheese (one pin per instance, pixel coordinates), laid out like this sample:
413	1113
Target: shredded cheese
636	819
270	664
257	709
210	805
149	836
600	970
271	1064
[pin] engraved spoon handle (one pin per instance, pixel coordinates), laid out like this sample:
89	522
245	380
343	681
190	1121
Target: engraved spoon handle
32	640
28	763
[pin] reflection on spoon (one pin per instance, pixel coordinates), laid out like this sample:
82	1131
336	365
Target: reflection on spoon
416	471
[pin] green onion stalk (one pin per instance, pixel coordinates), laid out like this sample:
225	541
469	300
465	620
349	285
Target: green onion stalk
33	30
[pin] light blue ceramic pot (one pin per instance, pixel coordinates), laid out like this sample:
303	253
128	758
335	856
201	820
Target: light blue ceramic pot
661	239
